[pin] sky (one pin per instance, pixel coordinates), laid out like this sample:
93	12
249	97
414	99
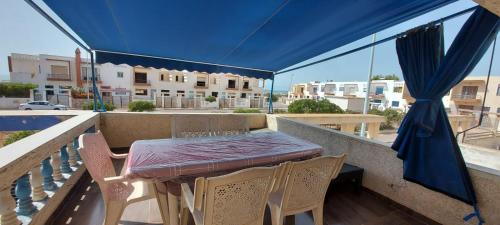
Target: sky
23	30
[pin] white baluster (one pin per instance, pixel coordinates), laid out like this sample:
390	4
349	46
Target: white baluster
72	154
56	165
36	184
7	205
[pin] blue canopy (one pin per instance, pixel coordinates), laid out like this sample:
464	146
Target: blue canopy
253	38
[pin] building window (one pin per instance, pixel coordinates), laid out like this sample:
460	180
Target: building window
215	94
181	94
141	92
119	74
214	81
243	95
398	89
59	70
379	90
231	84
498	90
162	77
49	86
341	88
201	81
141	78
165	93
246	84
395	104
498	110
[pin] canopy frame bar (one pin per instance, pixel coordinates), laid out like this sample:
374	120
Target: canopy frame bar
96	95
379	42
182	60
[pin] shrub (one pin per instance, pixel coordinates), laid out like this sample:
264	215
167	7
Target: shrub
242	110
16	90
210	99
140	106
392	117
313	106
16	136
90	106
80	93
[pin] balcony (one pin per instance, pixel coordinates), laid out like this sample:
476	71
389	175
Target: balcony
58	77
138	82
89	78
467	99
385	198
201	85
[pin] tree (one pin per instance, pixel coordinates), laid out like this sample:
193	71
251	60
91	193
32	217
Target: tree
275	97
313	106
386	77
16	90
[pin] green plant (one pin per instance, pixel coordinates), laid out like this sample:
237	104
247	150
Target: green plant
210	99
386	77
313	106
242	110
392	117
90	106
140	106
16	90
16	136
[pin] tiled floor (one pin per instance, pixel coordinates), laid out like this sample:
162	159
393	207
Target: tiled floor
343	207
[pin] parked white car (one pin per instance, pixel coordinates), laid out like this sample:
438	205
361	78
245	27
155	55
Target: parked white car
41	105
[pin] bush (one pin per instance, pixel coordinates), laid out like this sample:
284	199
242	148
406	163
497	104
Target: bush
241	110
210	99
392	117
81	93
279	111
16	90
90	106
275	97
16	136
313	106
140	106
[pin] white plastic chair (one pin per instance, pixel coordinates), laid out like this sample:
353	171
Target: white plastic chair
117	191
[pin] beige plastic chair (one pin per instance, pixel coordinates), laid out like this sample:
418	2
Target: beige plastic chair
238	198
227	124
304	188
117	191
185	126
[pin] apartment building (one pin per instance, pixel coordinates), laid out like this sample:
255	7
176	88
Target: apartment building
350	95
56	76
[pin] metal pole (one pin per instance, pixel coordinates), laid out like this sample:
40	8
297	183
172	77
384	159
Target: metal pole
270	110
94	86
368	87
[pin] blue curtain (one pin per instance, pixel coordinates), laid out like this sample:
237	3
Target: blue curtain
426	144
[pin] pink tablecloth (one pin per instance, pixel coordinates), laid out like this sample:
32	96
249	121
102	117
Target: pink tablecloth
166	159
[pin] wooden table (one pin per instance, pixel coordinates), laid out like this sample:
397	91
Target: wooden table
170	159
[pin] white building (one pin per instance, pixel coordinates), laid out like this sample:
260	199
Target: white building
350	95
57	75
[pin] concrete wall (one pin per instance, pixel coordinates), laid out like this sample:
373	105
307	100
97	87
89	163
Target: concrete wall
383	174
122	129
12	103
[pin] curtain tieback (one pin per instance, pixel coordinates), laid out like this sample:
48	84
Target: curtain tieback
424	100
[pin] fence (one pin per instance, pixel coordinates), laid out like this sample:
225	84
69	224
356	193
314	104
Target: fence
201	103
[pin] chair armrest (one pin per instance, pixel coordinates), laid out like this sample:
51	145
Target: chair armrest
187	196
119	156
116	179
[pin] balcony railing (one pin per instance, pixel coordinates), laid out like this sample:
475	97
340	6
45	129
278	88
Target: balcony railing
466	96
43	167
89	78
58	77
142	82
